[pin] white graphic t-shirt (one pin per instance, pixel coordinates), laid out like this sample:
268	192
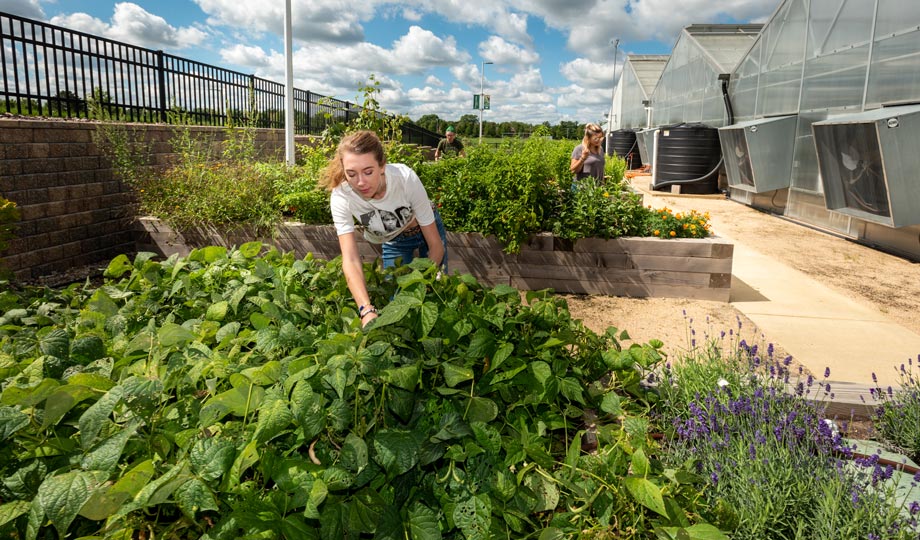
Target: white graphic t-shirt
382	219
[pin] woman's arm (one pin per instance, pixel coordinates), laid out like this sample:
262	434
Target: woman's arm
435	245
354	274
579	162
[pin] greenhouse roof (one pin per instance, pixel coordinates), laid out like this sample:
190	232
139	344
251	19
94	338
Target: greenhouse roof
726	44
648	68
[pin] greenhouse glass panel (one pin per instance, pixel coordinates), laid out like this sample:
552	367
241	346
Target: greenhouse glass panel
805	163
896	16
779	91
787	34
837	25
835	80
895	72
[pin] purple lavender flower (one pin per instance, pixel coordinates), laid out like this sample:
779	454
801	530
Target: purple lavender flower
715	478
787	361
914	508
827	372
770	350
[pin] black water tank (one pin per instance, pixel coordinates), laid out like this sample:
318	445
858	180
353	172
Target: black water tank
622	142
688	155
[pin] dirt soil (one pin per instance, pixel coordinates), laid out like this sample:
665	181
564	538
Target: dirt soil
871	277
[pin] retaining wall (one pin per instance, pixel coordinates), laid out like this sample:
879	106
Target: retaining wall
637	267
74	212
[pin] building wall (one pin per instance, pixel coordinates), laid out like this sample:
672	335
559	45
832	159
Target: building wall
73	210
818	60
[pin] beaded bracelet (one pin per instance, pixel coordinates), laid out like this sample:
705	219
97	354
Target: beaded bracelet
369	309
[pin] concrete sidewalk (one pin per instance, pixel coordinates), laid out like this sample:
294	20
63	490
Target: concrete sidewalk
818	326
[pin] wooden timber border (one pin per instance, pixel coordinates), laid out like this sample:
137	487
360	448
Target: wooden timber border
698	268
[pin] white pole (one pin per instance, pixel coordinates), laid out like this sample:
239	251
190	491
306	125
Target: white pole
613	93
288	87
482	97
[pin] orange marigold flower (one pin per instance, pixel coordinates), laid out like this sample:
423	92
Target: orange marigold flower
656	232
673	234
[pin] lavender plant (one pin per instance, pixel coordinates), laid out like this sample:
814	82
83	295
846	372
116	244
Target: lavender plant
897	419
776	467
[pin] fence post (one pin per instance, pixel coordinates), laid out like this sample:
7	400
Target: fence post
309	130
161	83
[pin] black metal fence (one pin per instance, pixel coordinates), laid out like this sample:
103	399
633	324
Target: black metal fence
52	71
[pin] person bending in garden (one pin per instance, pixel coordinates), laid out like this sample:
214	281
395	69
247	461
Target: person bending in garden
449	146
391	207
588	157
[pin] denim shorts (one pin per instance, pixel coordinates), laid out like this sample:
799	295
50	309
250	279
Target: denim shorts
404	246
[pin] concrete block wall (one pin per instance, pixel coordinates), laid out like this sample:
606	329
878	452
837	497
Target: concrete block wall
74	211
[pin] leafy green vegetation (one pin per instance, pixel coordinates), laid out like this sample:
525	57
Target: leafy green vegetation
9	215
233	394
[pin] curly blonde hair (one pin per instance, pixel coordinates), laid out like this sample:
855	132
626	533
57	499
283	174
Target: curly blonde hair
359	142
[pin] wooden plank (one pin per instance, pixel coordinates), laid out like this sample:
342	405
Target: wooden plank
684	247
612	276
678	263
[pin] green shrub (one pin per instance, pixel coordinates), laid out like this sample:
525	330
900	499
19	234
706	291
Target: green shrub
664	223
897	418
9	215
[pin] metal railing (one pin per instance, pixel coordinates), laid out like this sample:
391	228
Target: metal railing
47	70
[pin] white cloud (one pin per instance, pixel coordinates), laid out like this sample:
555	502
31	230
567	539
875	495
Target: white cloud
588	74
24	8
431	80
411	15
312	20
133	24
497	50
420	50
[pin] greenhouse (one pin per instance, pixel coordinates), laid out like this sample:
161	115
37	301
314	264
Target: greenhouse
821	120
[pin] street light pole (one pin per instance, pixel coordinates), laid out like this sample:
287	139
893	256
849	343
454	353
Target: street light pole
482	97
613	93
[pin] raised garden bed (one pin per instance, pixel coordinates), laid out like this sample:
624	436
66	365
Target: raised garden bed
636	267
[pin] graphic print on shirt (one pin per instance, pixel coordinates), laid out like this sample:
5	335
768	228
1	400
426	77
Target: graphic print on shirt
384	220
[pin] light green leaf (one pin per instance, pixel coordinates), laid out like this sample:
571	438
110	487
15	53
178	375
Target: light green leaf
646	493
550	343
474	517
91	380
640	463
423	523
55	343
454	374
11	421
308	408
396	450
274	417
251	249
12	510
502	354
551	533
171	334
480	409
705	531
212	457
259	322
105	501
396	310
63	400
541	371
504	290
611	404
106	455
487	437
546	491
572	389
118	267
318	492
195	496
231	329
102	303
208	254
405	377
62	496
429	317
217	311
354	453
97	415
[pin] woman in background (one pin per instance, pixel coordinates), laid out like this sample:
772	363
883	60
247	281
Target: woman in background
588	157
391	203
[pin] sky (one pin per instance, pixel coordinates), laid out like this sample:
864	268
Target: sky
551	60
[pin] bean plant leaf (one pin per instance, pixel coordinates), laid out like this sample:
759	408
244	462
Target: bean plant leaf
423	523
308	409
97	415
503	353
56	343
11	421
12	510
62	401
195	496
640	463
482	345
171	334
396	310
429	316
396	450
212	457
646	493
107	454
405	377
480	409
274	417
217	311
85	349
474	517
454	374
62	496
104	502
250	250
354	453
118	267
611	404
700	531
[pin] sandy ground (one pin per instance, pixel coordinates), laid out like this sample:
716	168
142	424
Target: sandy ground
885	282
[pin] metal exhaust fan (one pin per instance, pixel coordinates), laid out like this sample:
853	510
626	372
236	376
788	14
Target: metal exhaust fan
758	153
869	164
